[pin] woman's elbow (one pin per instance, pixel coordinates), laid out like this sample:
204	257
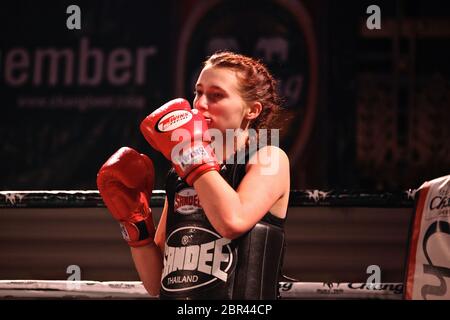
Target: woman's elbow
231	229
229	234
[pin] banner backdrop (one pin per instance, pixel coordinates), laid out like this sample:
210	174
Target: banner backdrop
363	108
70	98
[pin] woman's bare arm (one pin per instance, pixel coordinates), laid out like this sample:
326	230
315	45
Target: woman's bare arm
148	259
233	213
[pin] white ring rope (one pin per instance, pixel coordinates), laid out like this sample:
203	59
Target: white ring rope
135	290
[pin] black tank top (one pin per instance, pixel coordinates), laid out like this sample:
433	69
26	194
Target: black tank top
200	264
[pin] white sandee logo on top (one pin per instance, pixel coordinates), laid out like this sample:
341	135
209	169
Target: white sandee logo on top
205	258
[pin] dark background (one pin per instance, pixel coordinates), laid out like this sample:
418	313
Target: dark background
364	109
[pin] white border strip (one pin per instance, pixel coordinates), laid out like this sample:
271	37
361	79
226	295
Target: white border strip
135	290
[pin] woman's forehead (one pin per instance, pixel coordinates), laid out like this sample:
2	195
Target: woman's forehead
218	77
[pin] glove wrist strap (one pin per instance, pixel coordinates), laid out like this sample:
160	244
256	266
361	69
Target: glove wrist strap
136	233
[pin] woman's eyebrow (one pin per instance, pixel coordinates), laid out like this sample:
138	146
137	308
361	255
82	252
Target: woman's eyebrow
217	87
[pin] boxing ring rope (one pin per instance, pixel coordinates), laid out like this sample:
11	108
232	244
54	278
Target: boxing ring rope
298	198
135	290
19	289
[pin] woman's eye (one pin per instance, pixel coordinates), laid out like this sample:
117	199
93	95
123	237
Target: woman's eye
217	96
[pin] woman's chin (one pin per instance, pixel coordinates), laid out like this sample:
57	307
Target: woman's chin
212	125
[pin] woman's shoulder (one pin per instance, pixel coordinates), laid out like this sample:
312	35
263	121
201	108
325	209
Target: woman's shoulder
270	152
268	156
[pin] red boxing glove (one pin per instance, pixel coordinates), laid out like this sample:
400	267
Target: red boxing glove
180	133
125	183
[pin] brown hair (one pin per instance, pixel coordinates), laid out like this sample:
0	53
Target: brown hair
255	84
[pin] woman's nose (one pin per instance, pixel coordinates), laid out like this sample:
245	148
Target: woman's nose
200	103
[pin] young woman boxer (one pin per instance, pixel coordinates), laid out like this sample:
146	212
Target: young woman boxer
220	235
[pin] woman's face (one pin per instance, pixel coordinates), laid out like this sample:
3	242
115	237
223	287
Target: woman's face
218	98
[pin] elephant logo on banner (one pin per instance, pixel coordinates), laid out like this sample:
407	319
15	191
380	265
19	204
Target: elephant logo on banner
270	47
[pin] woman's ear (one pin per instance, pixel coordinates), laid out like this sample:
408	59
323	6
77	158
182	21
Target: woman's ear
254	110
